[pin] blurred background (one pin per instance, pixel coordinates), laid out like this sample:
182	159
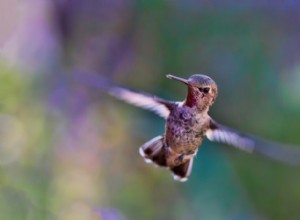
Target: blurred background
68	151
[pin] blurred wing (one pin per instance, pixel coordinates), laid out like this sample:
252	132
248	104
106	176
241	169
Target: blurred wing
158	105
284	153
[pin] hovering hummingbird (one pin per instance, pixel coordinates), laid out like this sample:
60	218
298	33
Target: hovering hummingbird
188	123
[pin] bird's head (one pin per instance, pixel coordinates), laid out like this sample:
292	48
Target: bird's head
202	90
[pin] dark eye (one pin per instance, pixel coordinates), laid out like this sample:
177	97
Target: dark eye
204	90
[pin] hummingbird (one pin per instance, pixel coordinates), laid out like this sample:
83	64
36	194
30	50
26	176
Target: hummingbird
188	123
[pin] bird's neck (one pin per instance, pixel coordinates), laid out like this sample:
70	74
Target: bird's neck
193	101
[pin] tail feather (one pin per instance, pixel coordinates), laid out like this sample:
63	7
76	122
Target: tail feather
182	172
154	151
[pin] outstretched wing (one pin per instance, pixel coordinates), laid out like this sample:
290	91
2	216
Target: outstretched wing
284	153
155	104
160	106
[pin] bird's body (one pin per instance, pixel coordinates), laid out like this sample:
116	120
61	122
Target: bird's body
185	129
188	123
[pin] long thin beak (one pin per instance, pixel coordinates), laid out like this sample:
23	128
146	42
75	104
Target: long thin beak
169	76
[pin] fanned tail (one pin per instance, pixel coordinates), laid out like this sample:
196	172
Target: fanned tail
154	151
182	172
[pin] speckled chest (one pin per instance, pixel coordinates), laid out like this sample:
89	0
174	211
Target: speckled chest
185	129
